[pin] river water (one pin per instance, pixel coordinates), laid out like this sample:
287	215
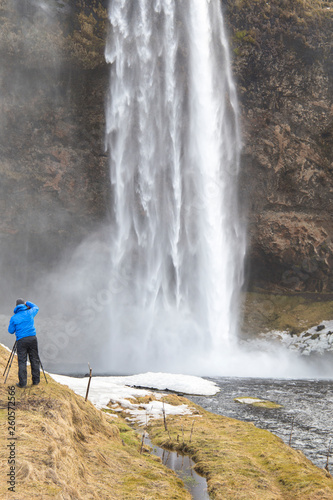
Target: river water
307	410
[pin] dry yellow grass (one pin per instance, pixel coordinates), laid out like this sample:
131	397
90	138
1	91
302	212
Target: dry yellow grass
66	449
240	461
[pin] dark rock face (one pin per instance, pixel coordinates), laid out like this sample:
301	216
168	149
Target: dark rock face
54	174
283	63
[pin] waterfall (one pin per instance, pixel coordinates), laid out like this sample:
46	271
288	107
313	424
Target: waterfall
173	140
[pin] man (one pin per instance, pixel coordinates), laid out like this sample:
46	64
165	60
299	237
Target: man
22	324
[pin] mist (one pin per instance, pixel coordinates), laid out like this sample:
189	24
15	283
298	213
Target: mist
46	159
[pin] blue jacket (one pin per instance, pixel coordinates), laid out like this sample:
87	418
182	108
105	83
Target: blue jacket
22	323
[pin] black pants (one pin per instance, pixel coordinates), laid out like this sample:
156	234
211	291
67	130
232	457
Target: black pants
28	346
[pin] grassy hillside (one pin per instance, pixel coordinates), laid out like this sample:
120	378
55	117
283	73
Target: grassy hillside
240	461
66	449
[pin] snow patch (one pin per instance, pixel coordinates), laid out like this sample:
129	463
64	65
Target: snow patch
119	391
5	347
185	384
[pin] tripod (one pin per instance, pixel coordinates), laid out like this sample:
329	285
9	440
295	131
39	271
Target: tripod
10	361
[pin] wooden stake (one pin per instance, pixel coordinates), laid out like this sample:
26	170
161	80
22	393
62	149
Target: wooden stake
90	373
164	418
191	431
142	441
328	455
291	432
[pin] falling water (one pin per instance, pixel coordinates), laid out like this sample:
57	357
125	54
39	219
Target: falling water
174	144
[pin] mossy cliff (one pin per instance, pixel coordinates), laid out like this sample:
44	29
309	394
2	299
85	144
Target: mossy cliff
283	64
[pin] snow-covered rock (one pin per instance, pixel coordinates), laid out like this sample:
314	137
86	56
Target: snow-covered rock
318	339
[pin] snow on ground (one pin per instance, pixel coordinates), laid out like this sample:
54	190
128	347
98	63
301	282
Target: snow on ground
120	390
315	340
5	347
185	384
318	339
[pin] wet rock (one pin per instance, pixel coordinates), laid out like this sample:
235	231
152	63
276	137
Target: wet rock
283	65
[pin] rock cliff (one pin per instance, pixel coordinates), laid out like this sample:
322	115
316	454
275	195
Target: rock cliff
283	63
54	173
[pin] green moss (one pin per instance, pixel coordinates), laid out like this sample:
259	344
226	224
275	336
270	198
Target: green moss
259	403
130	438
245	36
264	312
241	461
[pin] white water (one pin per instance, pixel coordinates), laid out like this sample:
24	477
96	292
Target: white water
173	139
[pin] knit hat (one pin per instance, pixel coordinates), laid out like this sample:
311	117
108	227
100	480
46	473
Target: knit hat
20	301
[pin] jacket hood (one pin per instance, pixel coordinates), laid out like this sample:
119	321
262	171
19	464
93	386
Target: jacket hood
20	307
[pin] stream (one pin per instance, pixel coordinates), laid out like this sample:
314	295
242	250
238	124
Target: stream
306	415
183	466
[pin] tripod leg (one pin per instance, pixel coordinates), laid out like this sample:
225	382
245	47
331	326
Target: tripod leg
10	365
42	369
10	358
